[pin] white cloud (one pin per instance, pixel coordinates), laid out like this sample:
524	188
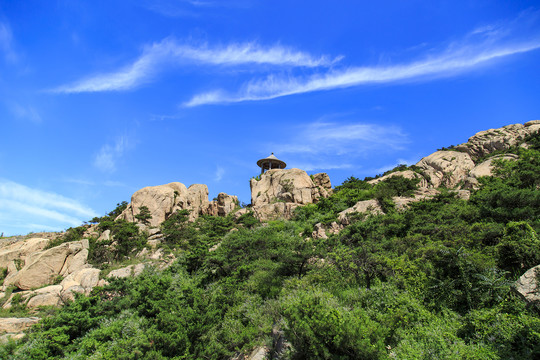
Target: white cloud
219	174
169	52
344	138
108	155
479	48
23	206
25	112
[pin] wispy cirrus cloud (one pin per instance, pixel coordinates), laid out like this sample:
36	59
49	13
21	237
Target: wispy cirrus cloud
25	112
169	52
220	171
328	144
479	48
108	154
23	206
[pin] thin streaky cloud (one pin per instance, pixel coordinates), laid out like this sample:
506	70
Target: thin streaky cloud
169	52
478	48
446	64
49	203
343	138
17	207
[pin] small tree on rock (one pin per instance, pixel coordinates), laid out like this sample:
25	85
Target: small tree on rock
144	215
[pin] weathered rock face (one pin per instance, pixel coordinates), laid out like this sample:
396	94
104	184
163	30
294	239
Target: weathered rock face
222	206
486	142
81	281
42	267
408	174
20	250
446	168
485	168
291	186
279	191
163	200
279	210
322	181
372	206
15	325
131	270
321	231
527	285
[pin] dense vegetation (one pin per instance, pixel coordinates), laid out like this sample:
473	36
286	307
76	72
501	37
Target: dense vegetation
431	282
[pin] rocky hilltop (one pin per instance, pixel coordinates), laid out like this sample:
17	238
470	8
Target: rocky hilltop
43	270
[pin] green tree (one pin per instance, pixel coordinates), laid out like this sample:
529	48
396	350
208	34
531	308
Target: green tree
144	215
519	248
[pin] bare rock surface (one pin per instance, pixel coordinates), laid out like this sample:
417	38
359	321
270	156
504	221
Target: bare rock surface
485	168
280	191
20	249
46	265
131	270
222	206
488	141
47	296
527	285
15	325
446	168
293	185
367	206
163	200
322	181
6	337
322	231
278	210
408	174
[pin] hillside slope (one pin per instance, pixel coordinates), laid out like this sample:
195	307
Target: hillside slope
423	262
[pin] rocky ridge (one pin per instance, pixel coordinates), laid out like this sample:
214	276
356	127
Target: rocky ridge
457	169
50	276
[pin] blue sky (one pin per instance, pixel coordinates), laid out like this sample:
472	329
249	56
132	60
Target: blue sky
101	98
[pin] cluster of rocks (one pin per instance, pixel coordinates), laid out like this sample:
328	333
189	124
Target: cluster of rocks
164	200
39	276
278	192
33	270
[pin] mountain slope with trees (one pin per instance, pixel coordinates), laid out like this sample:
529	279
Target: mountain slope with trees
432	280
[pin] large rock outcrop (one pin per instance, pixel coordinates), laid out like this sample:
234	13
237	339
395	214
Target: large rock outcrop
20	250
279	192
446	168
164	200
42	267
488	141
462	165
222	205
